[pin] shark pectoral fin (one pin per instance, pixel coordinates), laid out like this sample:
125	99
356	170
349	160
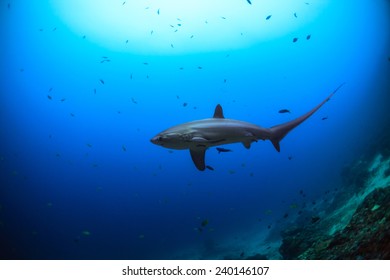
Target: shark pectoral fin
198	158
247	144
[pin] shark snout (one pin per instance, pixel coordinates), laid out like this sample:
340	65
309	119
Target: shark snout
155	139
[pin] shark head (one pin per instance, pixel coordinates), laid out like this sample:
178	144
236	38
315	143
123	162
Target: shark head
172	140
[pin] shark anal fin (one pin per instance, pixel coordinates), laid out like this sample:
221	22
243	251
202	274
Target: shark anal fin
198	158
218	112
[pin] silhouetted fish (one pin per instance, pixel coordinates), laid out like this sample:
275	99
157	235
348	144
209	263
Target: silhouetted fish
268	17
308	37
210	167
284	111
223	150
324	118
249	2
295	39
101	81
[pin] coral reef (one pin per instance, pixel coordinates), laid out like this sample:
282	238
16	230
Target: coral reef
357	222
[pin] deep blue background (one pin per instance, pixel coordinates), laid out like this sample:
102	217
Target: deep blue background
80	179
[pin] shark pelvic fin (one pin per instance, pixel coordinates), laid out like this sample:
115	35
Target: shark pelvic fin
247	144
198	158
218	112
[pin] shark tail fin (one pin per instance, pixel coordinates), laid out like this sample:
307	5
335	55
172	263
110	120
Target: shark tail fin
278	132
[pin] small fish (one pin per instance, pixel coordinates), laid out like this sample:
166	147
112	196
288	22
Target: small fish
295	39
50	89
54	29
223	150
192	36
133	100
158	11
151	32
210	167
185	104
101	80
249	2
242	254
86	233
200	67
268	17
223	18
285	216
89	145
71	114
315	219
94	90
290	157
131	76
295	15
127	41
123	3
282	111
293	206
146	63
308	37
172	46
84	36
124	148
324	118
9	5
63	99
204	223
49	97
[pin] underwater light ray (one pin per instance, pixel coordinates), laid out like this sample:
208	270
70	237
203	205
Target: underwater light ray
177	27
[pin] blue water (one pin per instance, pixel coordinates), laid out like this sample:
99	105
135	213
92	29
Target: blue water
80	178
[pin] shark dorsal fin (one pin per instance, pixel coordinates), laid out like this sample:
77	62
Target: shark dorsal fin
218	113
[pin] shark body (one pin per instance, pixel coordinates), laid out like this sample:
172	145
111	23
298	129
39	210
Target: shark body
199	135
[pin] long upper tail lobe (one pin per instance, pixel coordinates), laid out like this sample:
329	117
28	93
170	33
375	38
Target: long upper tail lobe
278	132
